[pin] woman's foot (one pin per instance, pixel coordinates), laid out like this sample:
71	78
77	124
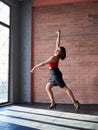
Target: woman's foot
77	105
53	105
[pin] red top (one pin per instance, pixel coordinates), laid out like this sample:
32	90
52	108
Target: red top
53	64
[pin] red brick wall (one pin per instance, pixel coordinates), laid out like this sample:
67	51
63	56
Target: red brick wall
79	35
38	3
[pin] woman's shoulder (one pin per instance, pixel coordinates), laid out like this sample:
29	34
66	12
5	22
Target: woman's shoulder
55	58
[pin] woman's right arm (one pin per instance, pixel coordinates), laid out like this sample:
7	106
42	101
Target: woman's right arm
42	63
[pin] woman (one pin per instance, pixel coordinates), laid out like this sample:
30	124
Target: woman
56	75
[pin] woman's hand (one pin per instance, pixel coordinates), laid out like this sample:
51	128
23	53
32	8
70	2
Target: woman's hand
58	32
32	70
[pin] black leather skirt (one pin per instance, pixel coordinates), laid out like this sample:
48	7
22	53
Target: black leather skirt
56	77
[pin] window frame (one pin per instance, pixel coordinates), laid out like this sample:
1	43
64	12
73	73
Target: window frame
9	57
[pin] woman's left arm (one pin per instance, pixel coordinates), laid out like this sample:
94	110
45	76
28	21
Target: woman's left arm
58	39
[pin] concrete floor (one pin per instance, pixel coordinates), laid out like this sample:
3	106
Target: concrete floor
36	116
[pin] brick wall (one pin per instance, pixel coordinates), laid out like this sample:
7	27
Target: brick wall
79	35
38	3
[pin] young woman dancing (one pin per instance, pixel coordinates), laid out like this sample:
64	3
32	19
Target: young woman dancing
56	75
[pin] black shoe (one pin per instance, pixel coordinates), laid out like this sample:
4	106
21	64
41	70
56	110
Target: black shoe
52	106
77	107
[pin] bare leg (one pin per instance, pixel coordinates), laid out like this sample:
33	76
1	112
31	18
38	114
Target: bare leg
71	96
50	93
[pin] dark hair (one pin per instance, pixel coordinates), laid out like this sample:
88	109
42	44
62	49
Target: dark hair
63	53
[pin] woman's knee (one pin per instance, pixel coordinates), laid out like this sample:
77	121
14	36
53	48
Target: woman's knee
66	89
48	87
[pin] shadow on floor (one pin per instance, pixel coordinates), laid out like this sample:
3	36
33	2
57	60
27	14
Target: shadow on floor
36	116
91	109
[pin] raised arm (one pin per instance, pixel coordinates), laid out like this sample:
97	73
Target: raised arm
58	39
